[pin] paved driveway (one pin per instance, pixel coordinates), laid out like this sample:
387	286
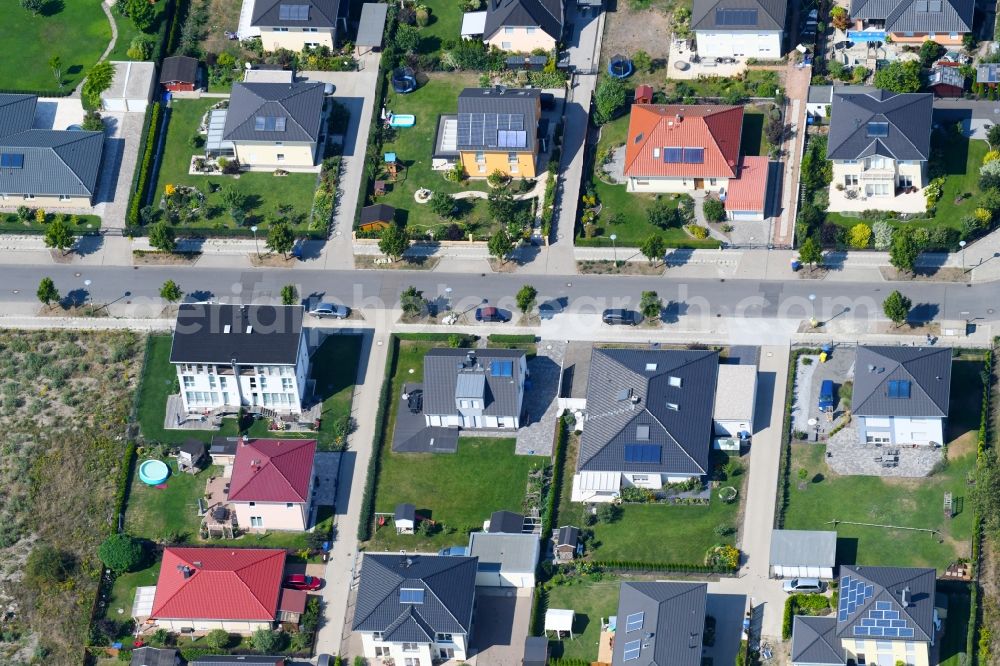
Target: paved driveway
500	624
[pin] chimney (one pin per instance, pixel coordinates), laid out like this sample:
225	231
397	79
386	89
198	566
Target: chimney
197	564
678	118
904	597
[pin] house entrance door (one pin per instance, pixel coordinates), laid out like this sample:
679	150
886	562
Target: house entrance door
699	183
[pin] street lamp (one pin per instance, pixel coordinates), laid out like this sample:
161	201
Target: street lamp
751	242
86	296
254	230
447	296
812	312
614	248
961	244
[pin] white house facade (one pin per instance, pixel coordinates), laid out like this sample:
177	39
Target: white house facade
474	389
764	44
444	647
739	29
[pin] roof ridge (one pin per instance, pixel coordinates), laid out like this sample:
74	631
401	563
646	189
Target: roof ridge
451	565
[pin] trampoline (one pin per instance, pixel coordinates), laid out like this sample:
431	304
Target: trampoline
403	80
620	67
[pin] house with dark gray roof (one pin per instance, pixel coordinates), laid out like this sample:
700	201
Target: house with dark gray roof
901	394
46	168
660	623
496	130
879	144
522	26
884	615
274	125
233	356
915	21
150	656
415	607
480	388
297	24
739	28
648	420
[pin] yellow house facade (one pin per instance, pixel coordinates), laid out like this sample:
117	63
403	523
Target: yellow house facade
296	39
496	130
296	24
275	125
480	164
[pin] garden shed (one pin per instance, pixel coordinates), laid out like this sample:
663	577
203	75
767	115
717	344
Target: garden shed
371	27
559	620
376	217
131	88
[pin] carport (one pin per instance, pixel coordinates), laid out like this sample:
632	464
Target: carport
371	27
131	88
505	560
803	553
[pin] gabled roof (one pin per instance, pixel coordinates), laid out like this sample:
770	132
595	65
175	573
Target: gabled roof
748	192
948	76
871	606
17	113
917	15
738	15
506	522
317	13
179	68
879	122
149	656
814	641
272	470
446	588
545	14
674	613
713	129
219	584
296	108
799	548
55	162
628	405
447	371
923	374
377	213
567	536
498	119
250	334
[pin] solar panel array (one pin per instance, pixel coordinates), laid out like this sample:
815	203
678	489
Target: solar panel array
11	161
293	12
631	651
735	17
269	124
502	368
501	130
634	622
878	129
674	155
884	622
853	593
899	388
411	595
642	453
694	156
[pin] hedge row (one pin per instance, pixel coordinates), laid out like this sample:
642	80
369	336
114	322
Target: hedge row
813	604
140	181
786	433
983	439
367	516
568	662
516	339
555	486
637	567
549	200
432	337
172	35
604	241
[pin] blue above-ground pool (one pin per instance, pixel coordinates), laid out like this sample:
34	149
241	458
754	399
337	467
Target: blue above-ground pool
402	120
153	472
620	67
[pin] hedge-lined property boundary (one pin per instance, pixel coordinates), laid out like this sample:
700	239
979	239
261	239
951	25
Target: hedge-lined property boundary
374	463
555	486
629	566
982	441
508	339
140	180
781	505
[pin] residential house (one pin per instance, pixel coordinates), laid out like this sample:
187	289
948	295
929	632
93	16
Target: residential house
746	200
660	623
901	394
274	125
505	522
179	74
505	560
885	615
946	81
566	543
648	420
232	356
296	24
879	144
245	659
678	148
523	26
915	21
803	554
271	484
739	28
735	400
482	388
415	609
45	168
496	130
150	656
201	589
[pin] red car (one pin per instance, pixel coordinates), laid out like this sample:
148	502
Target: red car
303	582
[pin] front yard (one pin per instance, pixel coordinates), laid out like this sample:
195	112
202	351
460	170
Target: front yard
265	192
78	224
895	502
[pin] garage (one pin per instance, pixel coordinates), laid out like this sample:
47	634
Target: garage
505	560
131	89
735	401
746	200
803	554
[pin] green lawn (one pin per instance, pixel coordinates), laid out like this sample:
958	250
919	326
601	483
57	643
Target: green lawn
900	502
335	369
445	24
123	591
265	190
171	513
591	602
75	30
127	31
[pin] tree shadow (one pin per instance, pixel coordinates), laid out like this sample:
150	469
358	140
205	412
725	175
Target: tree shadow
52	7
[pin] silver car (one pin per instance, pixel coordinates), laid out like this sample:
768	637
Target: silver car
334	310
803	586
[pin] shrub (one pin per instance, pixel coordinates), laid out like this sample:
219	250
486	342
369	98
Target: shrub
218	639
47	565
266	641
882	232
121	553
860	236
699	232
148	146
715	210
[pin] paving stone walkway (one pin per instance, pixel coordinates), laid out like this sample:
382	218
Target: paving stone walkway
540	405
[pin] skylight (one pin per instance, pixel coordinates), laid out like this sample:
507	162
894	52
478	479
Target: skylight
269	124
11	161
631	651
634	622
878	129
899	389
411	595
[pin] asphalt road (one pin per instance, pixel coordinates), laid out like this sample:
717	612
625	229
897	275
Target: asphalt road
137	288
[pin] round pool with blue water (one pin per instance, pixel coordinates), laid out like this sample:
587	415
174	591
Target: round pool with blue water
153	472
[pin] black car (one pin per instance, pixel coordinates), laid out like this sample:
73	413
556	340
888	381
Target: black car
490	314
620	317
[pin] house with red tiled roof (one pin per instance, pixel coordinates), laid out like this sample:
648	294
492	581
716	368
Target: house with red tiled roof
271	484
200	589
746	199
682	148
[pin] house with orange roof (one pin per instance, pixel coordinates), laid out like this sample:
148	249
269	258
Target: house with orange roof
746	200
682	148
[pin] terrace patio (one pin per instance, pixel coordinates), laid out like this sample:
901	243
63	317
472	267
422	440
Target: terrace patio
846	454
911	203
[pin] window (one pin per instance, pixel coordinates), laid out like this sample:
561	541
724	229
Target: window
673	406
310	29
634	622
508	30
675	381
211	381
287	384
530	30
877	438
506	46
639	478
381	651
222	382
188	382
906	181
631	651
256	521
650	367
410	647
263	382
253	503
289	505
376	635
444	638
281	29
411	661
281	157
29	196
480	157
446	653
851	180
64	197
711	181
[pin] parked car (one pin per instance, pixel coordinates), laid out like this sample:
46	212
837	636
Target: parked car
620	317
334	310
803	586
303	582
491	314
827	396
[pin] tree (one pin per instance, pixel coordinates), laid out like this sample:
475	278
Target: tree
236	201
59	235
662	214
903	250
55	64
859	236
839	18
993	136
896	307
899	77
170	291
810	252
500	245
608	512
92	122
47	292
653	248
162	237
774	130
715	210
217	639
407	38
139	48
412	302
500	202
289	295
266	641
141	13
393	242
525	298
99	79
46	566
120	552
642	62
608	99
33	6
929	52
280	238
442	204
650	305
